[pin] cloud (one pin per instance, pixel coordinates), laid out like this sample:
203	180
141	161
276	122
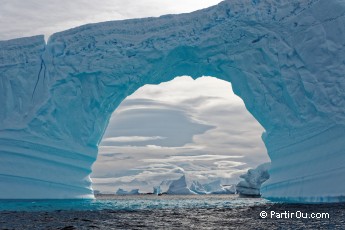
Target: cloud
155	120
132	139
192	158
33	17
201	91
113	155
228	164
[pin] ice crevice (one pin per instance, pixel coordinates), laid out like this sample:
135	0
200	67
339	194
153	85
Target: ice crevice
284	59
43	67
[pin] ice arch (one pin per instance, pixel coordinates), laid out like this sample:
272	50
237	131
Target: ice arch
285	59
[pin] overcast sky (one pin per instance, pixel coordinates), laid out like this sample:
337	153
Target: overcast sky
21	18
193	127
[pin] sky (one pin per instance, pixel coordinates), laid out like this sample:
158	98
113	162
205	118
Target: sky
194	127
22	18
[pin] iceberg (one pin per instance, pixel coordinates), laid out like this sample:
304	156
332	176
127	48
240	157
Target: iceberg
253	180
215	187
97	192
285	59
157	190
179	187
229	189
164	185
197	188
124	192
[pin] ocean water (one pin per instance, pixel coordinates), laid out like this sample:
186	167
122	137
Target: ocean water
168	212
131	203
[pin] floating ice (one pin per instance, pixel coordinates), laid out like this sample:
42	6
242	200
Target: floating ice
285	59
179	187
253	180
215	187
157	190
197	188
124	192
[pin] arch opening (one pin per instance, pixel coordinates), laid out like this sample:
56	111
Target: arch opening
196	128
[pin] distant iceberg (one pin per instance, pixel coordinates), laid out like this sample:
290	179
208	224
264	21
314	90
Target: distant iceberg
124	192
179	187
197	188
97	192
216	187
157	190
253	180
229	189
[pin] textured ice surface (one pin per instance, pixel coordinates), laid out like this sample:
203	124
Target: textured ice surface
285	59
253	180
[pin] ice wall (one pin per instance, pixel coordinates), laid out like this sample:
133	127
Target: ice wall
285	59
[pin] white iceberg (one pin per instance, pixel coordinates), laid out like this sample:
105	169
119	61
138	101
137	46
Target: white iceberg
179	187
230	189
197	188
164	185
157	190
216	187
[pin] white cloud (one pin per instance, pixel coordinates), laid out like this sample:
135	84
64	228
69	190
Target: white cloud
215	90
132	139
33	17
156	119
192	158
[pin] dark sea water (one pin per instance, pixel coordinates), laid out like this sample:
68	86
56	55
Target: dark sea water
168	212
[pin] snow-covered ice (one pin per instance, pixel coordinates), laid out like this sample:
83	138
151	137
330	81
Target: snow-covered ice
285	59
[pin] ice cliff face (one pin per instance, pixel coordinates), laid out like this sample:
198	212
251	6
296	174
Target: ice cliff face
285	59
